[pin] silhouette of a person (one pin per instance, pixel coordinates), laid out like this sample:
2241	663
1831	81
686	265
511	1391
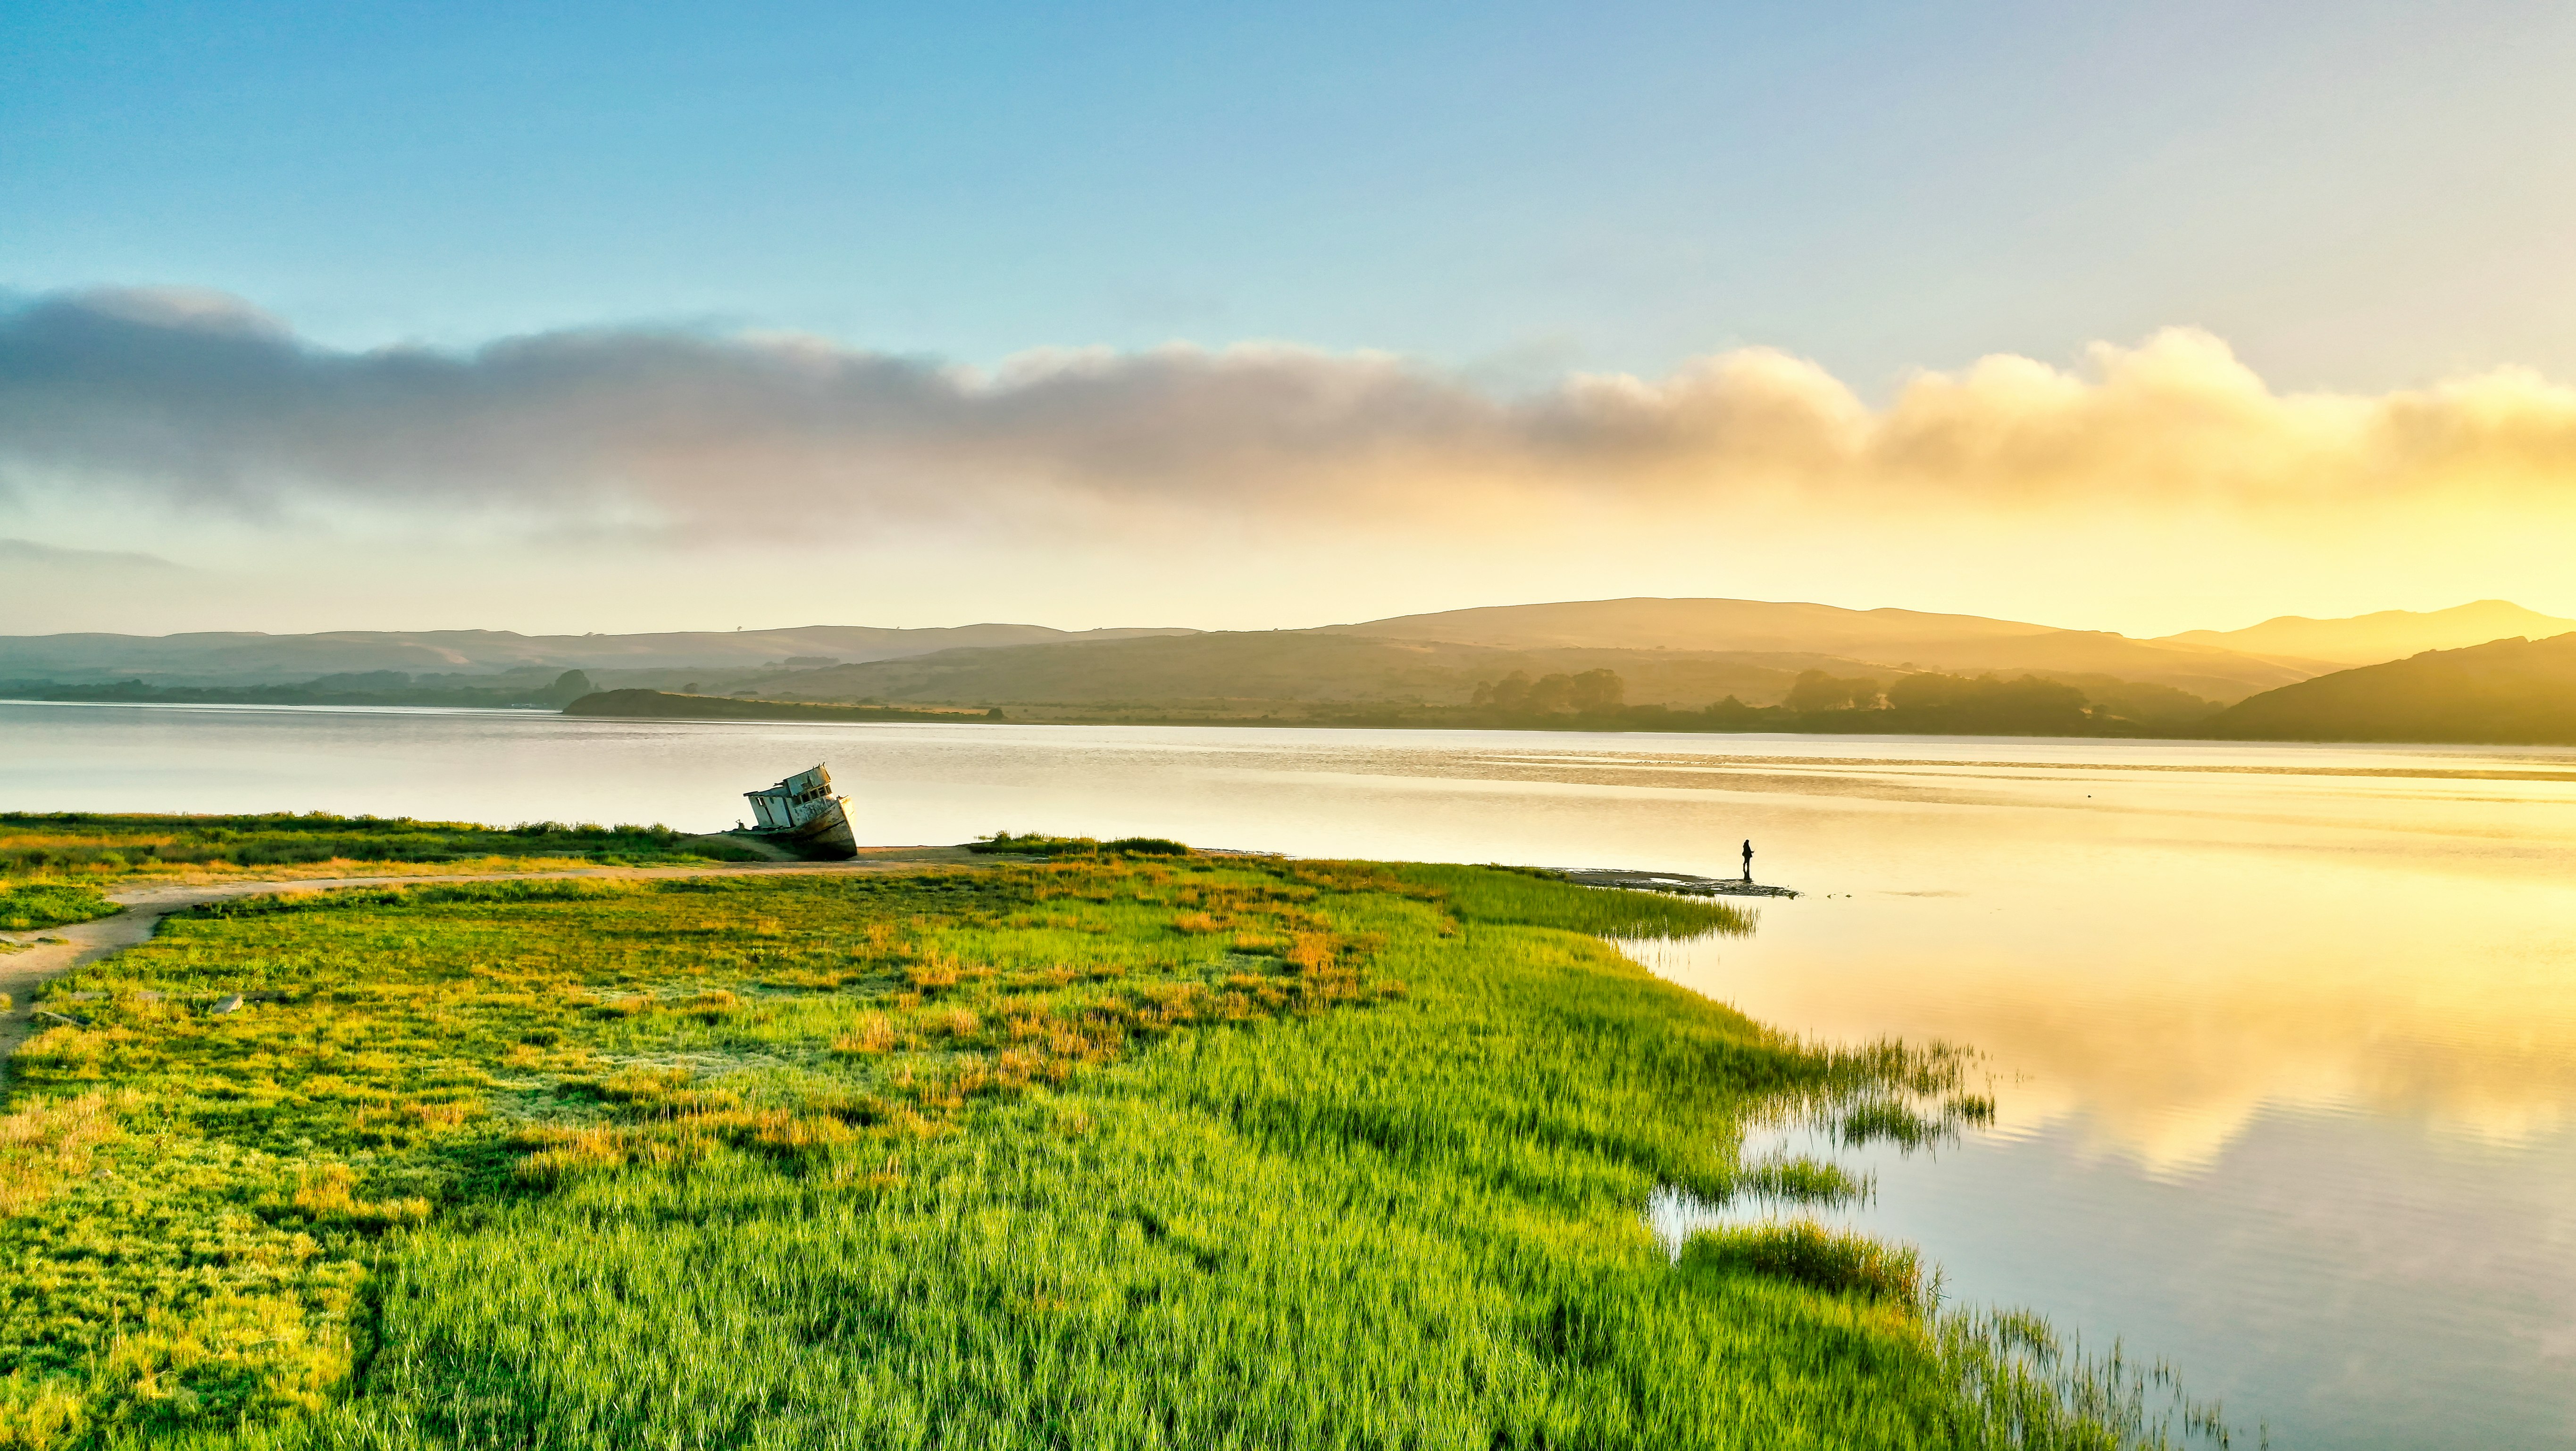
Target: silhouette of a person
1748	861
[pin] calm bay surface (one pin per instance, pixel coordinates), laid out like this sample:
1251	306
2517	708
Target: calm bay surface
2282	1038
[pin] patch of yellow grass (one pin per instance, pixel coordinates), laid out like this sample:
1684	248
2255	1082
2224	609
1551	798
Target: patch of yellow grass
46	1143
874	1034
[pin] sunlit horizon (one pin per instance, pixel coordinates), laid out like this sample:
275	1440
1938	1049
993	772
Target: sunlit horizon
621	480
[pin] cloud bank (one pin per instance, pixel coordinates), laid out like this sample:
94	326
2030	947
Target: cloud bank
30	554
197	399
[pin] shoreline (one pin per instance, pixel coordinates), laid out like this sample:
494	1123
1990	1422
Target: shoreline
897	716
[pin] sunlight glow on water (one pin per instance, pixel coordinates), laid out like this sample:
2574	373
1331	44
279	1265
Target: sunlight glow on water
2282	1038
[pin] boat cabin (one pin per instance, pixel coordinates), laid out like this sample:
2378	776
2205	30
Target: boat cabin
792	802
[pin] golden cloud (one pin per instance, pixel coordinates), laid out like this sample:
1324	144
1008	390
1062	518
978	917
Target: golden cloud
201	399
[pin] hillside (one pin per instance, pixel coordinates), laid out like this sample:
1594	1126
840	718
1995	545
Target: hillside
251	658
2508	692
647	704
1306	678
1683	653
1884	639
1689	624
2387	635
1256	670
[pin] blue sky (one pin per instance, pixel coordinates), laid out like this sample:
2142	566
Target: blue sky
1484	304
2355	195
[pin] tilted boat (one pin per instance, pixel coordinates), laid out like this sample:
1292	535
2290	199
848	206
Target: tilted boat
802	815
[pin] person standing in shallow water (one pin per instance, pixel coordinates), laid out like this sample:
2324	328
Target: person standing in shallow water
1748	861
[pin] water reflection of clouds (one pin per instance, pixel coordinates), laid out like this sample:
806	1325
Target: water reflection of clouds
2167	1065
2385	1288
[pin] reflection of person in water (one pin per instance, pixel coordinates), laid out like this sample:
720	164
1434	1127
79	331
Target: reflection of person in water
1748	861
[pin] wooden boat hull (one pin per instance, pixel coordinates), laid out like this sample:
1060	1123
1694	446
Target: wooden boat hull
825	836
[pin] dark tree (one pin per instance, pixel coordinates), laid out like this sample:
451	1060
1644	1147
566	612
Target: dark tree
1598	692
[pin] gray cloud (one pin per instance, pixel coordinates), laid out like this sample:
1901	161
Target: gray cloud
200	399
29	554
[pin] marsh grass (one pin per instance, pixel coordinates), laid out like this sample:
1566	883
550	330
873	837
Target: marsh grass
33	906
1807	1253
1141	1151
2013	1363
104	846
1064	848
1802	1180
46	1143
1504	894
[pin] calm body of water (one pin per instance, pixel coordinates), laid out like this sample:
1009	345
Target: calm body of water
2283	1037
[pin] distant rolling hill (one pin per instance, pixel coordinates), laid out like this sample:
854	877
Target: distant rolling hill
250	658
1251	670
1681	653
1884	639
2387	635
2507	692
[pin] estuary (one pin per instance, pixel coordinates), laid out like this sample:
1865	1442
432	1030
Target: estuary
2281	1039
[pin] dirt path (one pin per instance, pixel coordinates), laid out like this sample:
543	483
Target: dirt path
58	950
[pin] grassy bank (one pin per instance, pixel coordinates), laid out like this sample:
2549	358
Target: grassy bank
1113	1151
31	906
97	846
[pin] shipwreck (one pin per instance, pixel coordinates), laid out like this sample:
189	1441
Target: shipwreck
801	815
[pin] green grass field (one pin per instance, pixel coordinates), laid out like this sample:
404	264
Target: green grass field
32	906
1100	1153
94	846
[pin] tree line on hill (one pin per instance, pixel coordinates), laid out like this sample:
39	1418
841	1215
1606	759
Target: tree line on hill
2506	692
1916	703
536	689
1912	703
663	705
